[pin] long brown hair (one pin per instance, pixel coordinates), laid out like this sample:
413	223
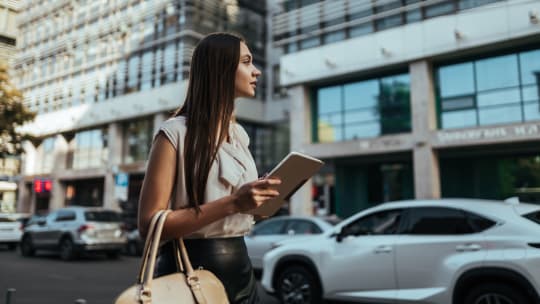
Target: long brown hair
208	107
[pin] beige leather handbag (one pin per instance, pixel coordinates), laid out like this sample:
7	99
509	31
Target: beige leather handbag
186	286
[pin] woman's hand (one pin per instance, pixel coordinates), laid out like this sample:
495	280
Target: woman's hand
252	195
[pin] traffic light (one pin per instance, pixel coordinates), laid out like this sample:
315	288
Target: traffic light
42	186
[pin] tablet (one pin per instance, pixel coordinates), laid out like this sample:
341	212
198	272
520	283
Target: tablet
294	170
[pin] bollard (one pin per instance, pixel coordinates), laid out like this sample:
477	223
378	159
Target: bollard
9	295
80	301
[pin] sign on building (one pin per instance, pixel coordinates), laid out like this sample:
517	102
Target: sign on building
121	186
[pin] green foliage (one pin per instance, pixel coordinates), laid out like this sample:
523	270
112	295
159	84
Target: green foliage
13	114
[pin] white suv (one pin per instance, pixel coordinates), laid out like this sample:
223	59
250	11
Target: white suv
454	251
75	230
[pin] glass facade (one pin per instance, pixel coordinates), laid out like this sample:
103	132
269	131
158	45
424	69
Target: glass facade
85	192
362	185
495	90
268	144
363	109
137	140
47	156
89	149
492	177
109	49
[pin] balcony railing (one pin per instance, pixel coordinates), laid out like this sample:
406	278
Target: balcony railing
334	15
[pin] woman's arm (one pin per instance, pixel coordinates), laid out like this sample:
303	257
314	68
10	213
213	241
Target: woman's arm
158	186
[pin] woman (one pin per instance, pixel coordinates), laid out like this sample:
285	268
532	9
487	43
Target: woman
200	167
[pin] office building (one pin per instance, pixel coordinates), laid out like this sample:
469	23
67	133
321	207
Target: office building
9	166
412	99
103	75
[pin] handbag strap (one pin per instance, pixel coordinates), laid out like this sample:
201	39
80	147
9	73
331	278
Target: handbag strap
192	277
185	257
146	270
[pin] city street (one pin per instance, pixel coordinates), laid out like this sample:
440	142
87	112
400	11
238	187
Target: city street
46	279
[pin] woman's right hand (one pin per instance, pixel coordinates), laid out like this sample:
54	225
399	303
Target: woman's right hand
251	195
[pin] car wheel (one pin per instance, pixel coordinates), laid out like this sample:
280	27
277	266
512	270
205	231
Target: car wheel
298	285
495	293
27	248
67	249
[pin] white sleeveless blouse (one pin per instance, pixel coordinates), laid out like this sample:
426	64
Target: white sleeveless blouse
233	167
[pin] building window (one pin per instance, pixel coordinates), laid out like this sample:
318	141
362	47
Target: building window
146	69
363	109
120	78
357	18
133	74
89	149
502	177
488	91
47	161
137	140
268	144
169	65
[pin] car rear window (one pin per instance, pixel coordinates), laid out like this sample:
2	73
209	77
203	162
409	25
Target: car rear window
102	216
533	216
478	222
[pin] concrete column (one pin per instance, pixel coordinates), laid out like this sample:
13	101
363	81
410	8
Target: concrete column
424	121
113	161
25	199
58	195
300	129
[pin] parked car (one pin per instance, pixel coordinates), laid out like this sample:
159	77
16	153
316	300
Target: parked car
11	228
266	233
135	244
453	251
75	230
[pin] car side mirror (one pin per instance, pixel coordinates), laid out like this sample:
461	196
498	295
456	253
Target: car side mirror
41	222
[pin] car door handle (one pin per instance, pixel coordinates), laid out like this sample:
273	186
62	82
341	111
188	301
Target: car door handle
383	249
468	247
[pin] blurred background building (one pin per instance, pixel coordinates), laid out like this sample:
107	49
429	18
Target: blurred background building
401	98
103	75
413	99
9	166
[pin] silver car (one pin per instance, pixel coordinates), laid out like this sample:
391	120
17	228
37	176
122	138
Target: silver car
267	233
451	251
75	230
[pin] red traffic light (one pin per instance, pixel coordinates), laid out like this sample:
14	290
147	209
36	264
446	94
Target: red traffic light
38	186
42	185
47	185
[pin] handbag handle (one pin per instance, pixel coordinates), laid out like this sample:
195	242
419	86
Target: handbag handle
146	271
151	245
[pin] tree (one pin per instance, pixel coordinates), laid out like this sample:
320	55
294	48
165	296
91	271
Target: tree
13	114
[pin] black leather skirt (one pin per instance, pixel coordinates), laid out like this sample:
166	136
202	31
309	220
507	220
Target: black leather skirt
227	258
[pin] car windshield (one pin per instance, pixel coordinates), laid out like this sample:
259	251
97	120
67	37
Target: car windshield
533	216
102	216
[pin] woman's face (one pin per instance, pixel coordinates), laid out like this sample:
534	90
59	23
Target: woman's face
246	74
